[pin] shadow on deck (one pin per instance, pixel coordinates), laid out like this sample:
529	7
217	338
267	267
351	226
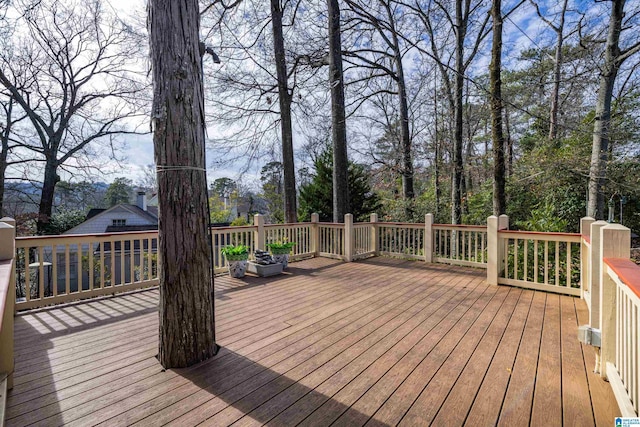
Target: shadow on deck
376	342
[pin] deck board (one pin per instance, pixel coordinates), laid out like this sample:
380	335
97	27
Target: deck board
379	342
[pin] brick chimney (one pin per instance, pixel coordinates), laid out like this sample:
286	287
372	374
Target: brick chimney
141	200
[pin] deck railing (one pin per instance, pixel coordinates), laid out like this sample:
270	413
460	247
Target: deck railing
594	264
614	310
543	261
58	269
460	244
7	309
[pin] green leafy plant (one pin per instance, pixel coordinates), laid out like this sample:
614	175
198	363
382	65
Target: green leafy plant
278	248
235	253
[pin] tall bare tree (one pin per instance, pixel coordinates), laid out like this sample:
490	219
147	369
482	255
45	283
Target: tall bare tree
284	97
557	64
187	331
338	116
466	16
614	57
78	59
385	59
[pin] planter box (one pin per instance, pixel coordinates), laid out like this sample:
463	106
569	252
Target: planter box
264	270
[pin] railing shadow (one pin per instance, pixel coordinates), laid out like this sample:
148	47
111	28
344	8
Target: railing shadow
40	364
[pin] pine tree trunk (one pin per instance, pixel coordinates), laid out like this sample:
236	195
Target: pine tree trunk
499	202
284	96
338	118
599	149
458	166
186	286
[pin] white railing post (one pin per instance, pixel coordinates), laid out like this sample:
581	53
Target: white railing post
315	234
585	232
374	233
615	242
495	249
493	258
8	252
428	238
593	274
348	237
260	239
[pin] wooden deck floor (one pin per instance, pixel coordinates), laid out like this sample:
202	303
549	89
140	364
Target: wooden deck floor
377	342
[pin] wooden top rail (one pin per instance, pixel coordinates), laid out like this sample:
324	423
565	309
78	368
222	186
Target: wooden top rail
398	224
234	228
627	271
541	235
479	227
71	239
292	224
77	236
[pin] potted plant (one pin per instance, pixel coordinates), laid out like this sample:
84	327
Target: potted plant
237	257
280	251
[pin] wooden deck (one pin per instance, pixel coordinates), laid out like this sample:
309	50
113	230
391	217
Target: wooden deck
377	342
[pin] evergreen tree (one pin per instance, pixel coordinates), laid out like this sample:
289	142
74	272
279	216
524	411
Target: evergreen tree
118	192
317	195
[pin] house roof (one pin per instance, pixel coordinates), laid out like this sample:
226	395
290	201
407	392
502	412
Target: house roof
151	215
93	212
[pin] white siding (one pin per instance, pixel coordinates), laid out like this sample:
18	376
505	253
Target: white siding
100	222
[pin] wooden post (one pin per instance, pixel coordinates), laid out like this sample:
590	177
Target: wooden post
374	233
493	257
315	234
585	284
258	221
348	237
495	249
615	242
593	273
428	238
7	252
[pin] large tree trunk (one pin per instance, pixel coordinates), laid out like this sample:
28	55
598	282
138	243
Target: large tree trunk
186	286
284	96
557	67
45	210
508	143
599	149
338	117
405	135
458	167
499	202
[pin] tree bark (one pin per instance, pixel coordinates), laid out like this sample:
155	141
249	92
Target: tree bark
600	146
284	96
497	136
458	167
49	183
187	334
555	93
405	135
338	117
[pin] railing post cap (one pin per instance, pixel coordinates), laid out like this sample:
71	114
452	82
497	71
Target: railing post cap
8	220
5	225
615	227
587	218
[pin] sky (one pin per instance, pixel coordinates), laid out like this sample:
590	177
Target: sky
522	30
